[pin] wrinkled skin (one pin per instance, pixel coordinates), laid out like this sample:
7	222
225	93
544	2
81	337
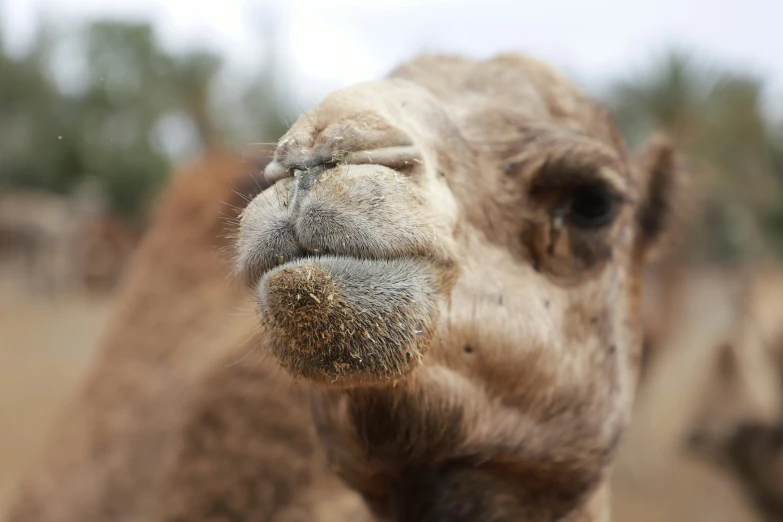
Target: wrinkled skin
452	257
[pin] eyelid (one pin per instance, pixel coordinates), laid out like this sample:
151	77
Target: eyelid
550	177
616	182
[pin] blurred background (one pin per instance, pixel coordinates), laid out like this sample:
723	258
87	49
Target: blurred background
100	101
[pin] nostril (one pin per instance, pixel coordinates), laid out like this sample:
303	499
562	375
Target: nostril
275	171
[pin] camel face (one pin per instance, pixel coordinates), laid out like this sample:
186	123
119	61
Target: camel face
350	252
452	256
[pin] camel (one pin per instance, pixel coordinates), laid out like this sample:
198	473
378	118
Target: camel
738	426
176	305
712	395
447	268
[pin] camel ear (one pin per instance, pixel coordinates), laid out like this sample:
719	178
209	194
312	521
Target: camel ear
664	183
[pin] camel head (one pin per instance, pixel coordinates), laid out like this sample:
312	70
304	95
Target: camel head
453	257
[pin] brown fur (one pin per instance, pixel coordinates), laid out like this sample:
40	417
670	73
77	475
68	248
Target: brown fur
248	452
457	170
672	202
105	456
484	156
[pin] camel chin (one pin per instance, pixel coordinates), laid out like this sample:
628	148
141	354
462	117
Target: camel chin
342	321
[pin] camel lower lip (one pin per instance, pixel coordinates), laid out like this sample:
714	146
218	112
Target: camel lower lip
342	319
316	257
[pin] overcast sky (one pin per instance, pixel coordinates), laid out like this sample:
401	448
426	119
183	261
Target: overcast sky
331	43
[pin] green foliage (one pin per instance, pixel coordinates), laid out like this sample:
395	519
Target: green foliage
734	150
112	127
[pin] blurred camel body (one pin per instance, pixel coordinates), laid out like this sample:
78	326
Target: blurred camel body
721	348
720	330
175	337
740	423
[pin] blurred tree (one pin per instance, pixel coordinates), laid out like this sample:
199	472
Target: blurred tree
191	79
116	114
30	148
668	95
136	109
734	151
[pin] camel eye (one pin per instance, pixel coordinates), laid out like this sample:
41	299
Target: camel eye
590	206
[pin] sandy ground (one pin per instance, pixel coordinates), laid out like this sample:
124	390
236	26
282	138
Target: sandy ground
46	345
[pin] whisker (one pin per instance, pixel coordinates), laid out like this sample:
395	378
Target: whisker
248	354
